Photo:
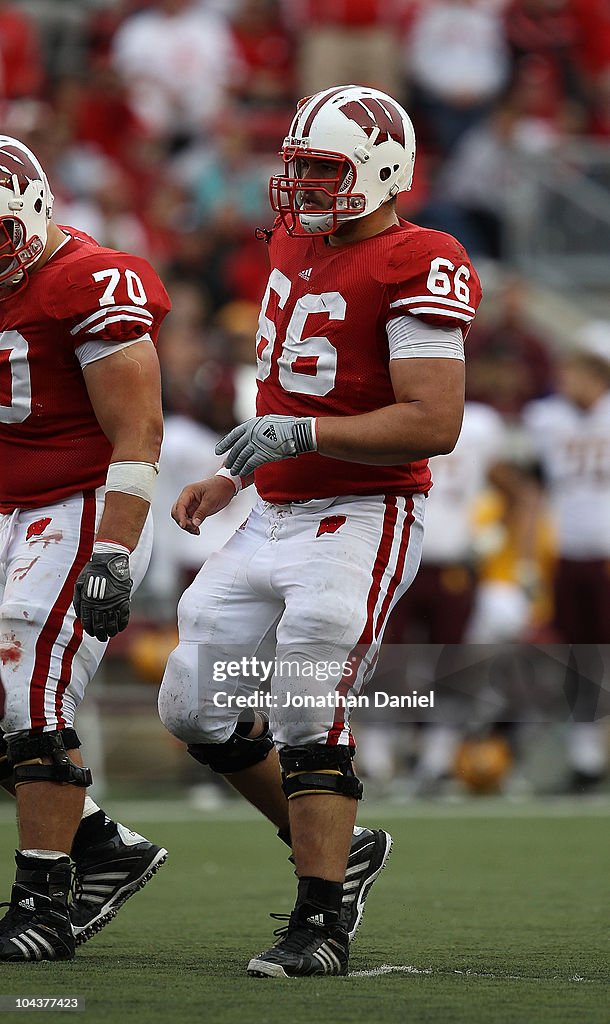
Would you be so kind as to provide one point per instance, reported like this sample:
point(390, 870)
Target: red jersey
point(322, 344)
point(51, 444)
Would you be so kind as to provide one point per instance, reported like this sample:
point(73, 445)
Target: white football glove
point(266, 439)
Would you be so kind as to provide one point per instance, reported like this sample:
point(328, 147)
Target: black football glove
point(102, 593)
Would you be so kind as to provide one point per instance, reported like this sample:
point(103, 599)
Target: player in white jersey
point(437, 607)
point(570, 432)
point(188, 448)
point(459, 478)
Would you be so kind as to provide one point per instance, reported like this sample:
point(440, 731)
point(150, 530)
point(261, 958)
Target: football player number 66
point(306, 366)
point(439, 280)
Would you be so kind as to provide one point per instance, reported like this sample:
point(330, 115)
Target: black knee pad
point(26, 750)
point(6, 770)
point(238, 752)
point(317, 768)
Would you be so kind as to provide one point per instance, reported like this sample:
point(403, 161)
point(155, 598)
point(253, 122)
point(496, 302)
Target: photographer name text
point(332, 699)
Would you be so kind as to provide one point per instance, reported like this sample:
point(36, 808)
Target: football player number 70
point(133, 284)
point(20, 405)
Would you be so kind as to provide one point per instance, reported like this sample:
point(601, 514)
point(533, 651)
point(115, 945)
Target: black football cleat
point(302, 951)
point(107, 875)
point(368, 856)
point(37, 924)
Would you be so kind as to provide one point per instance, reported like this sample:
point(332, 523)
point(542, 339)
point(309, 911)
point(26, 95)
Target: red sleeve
point(111, 297)
point(430, 276)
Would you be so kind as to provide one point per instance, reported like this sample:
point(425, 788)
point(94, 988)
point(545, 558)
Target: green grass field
point(486, 913)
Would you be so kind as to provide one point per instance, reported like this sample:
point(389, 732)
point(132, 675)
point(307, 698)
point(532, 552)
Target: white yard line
point(409, 969)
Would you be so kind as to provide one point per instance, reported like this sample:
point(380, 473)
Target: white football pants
point(324, 574)
point(46, 660)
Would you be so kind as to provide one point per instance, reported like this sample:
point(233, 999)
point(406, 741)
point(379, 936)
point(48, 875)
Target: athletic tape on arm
point(137, 478)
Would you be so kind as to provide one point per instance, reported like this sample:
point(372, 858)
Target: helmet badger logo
point(370, 113)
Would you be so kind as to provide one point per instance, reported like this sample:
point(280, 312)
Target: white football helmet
point(26, 204)
point(369, 137)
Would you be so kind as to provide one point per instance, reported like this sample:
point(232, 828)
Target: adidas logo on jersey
point(305, 274)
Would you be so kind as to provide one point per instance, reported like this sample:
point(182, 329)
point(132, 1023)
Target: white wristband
point(137, 478)
point(110, 547)
point(235, 480)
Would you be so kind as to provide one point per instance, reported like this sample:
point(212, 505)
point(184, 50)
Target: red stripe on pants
point(66, 669)
point(400, 565)
point(381, 563)
point(55, 619)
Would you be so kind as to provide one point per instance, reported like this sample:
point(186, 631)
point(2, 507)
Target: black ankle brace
point(318, 902)
point(45, 876)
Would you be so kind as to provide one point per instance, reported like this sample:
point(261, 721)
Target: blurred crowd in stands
point(159, 120)
point(159, 123)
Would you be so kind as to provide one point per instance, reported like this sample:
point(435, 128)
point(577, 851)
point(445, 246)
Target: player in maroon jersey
point(360, 380)
point(80, 432)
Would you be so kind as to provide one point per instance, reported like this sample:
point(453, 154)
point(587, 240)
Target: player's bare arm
point(125, 392)
point(199, 500)
point(204, 498)
point(425, 421)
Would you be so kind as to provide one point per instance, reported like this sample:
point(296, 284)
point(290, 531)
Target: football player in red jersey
point(360, 380)
point(80, 433)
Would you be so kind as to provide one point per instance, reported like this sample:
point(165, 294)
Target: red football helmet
point(26, 204)
point(367, 140)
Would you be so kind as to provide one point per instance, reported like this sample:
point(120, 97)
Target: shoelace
point(76, 886)
point(281, 917)
point(294, 941)
point(12, 908)
point(14, 913)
